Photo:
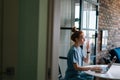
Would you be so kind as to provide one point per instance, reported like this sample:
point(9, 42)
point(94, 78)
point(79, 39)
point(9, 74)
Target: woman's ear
point(76, 39)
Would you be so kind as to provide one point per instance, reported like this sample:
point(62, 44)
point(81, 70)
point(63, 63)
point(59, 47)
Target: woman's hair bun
point(74, 29)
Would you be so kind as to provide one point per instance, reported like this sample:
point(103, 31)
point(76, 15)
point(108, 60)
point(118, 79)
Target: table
point(112, 73)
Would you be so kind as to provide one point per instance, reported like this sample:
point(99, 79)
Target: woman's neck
point(76, 44)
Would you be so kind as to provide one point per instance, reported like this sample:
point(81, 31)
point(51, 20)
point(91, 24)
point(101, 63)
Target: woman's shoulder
point(73, 49)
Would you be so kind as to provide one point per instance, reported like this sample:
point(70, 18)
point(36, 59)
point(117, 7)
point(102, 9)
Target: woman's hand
point(96, 69)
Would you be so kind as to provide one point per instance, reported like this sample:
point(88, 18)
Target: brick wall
point(109, 18)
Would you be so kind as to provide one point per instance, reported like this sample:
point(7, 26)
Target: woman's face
point(81, 39)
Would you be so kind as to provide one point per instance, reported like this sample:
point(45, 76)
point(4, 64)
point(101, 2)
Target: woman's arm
point(83, 68)
point(87, 58)
point(80, 68)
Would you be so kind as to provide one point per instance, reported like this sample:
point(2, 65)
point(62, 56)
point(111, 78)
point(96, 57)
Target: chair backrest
point(60, 76)
point(60, 73)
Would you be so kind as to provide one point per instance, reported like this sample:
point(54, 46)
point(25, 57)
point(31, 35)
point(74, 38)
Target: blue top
point(75, 55)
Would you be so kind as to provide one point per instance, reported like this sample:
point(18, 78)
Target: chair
point(60, 76)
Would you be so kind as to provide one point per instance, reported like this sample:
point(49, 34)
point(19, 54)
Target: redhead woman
point(76, 57)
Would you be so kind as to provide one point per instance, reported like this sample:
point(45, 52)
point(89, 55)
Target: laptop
point(106, 68)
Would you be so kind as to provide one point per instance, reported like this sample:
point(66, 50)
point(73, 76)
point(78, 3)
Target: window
point(84, 17)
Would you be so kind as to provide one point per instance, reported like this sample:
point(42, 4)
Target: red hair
point(76, 34)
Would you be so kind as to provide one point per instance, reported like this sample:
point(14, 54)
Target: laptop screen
point(113, 61)
point(105, 69)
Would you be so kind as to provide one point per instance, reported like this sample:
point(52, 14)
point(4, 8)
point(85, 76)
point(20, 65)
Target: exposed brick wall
point(109, 18)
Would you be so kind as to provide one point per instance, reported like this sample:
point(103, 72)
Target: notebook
point(105, 69)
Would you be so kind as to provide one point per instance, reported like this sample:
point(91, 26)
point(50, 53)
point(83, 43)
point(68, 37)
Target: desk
point(112, 73)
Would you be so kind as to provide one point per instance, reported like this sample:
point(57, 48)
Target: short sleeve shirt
point(75, 55)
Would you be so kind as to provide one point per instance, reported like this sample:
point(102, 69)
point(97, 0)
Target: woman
point(76, 57)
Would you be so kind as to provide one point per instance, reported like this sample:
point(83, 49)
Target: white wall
point(65, 41)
